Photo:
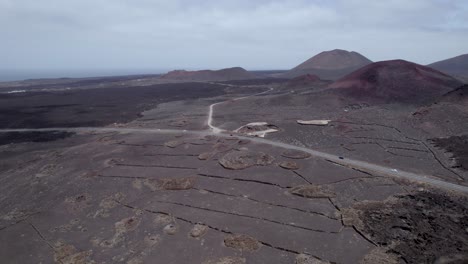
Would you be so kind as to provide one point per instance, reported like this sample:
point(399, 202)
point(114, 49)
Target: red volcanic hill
point(330, 65)
point(457, 66)
point(396, 80)
point(236, 73)
point(303, 80)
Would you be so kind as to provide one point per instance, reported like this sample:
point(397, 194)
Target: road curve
point(211, 110)
point(362, 165)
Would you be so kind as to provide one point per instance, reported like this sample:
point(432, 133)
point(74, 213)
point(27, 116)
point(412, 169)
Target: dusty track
point(210, 112)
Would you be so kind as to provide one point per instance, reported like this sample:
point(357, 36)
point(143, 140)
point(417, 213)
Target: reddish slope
point(330, 65)
point(236, 73)
point(396, 80)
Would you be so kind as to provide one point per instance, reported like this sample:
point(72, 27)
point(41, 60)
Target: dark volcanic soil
point(458, 146)
point(93, 107)
point(422, 228)
point(19, 137)
point(70, 83)
point(134, 197)
point(236, 73)
point(303, 80)
point(458, 96)
point(258, 81)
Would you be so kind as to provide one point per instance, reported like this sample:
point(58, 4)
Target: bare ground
point(140, 198)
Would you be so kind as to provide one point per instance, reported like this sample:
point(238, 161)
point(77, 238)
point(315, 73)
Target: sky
point(133, 35)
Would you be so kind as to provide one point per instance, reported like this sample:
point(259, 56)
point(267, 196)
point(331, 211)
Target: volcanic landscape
point(338, 160)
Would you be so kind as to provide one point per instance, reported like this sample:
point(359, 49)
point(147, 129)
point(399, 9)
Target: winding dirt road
point(211, 109)
point(357, 164)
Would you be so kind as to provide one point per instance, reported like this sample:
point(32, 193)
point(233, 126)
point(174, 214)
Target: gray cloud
point(139, 34)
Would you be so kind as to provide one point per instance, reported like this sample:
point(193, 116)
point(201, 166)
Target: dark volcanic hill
point(303, 80)
point(236, 73)
point(397, 80)
point(330, 65)
point(457, 66)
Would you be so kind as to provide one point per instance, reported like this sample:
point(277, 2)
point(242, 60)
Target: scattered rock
point(137, 184)
point(198, 230)
point(350, 217)
point(453, 259)
point(110, 201)
point(153, 184)
point(162, 220)
point(356, 106)
point(152, 240)
point(203, 191)
point(177, 183)
point(380, 255)
point(127, 224)
point(313, 191)
point(68, 254)
point(238, 160)
point(457, 146)
point(174, 143)
point(289, 165)
point(47, 170)
point(79, 202)
point(16, 215)
point(174, 184)
point(307, 259)
point(296, 154)
point(135, 260)
point(418, 228)
point(112, 162)
point(170, 229)
point(121, 227)
point(227, 260)
point(206, 155)
point(242, 242)
point(68, 227)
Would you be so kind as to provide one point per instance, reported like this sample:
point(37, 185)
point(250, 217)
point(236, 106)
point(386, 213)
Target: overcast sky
point(192, 34)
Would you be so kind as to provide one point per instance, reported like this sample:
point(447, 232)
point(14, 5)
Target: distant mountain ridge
point(456, 66)
point(228, 74)
point(397, 80)
point(330, 65)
